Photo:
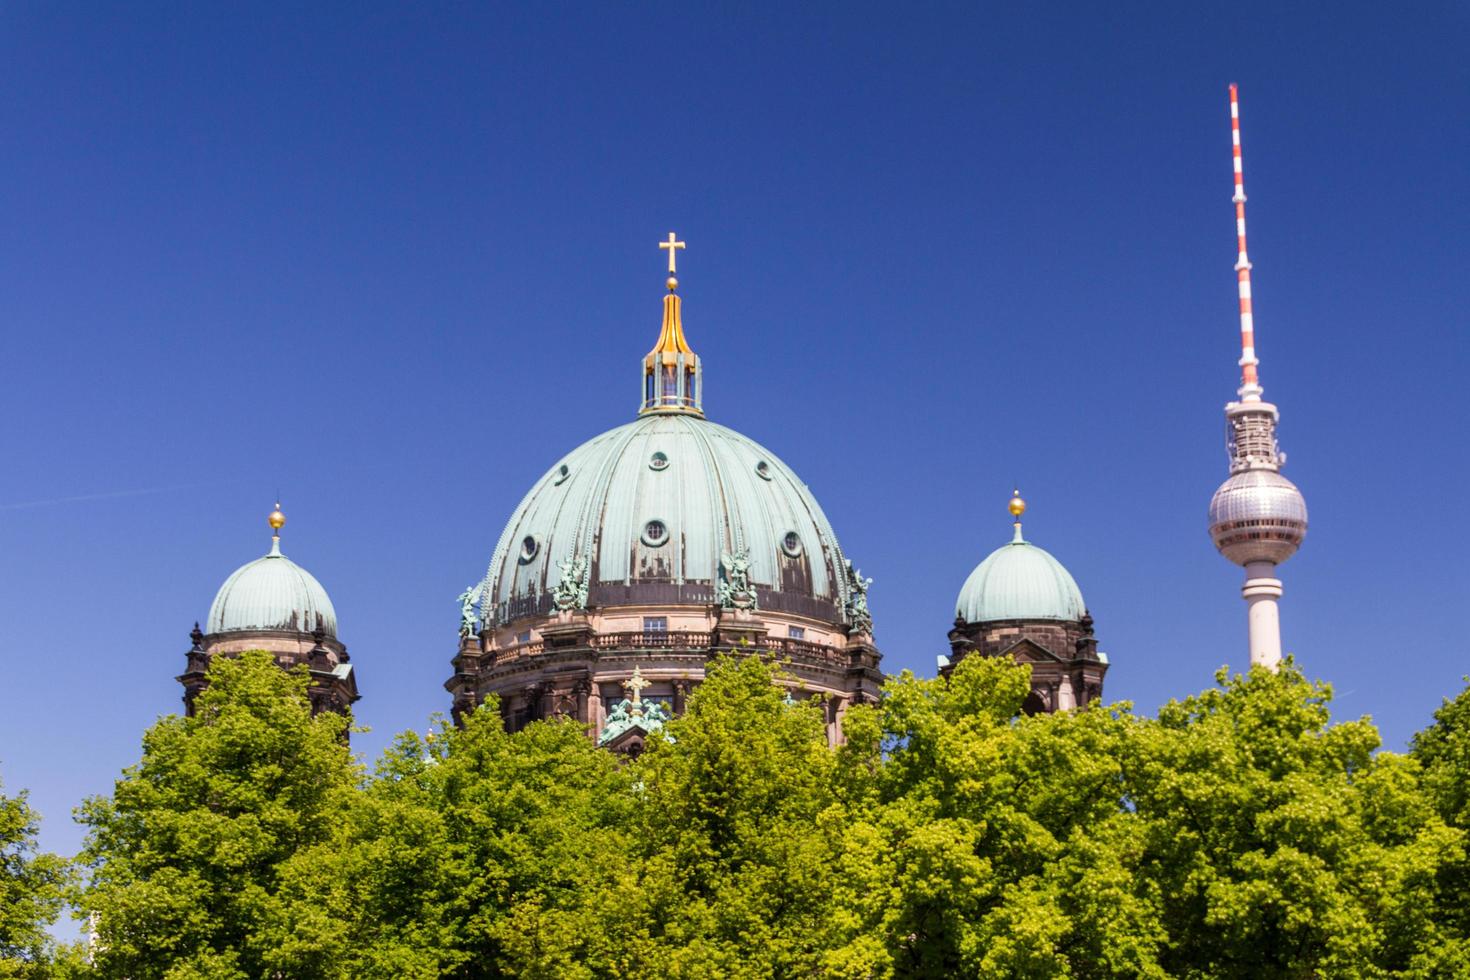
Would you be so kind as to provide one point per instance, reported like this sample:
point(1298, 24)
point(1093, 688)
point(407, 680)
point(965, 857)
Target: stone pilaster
point(864, 679)
point(738, 630)
point(567, 630)
point(464, 685)
point(197, 663)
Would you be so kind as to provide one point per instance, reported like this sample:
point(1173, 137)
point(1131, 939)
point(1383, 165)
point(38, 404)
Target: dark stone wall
point(1055, 649)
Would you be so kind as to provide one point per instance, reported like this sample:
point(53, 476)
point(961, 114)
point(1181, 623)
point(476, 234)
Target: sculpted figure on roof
point(859, 617)
point(469, 621)
point(735, 590)
point(571, 592)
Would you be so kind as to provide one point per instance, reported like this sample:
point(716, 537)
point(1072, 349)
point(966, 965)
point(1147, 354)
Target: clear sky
point(395, 260)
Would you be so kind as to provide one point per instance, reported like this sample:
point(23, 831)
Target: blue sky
point(395, 260)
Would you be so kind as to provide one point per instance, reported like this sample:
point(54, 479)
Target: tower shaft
point(1261, 591)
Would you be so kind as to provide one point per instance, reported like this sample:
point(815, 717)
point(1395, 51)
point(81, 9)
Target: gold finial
point(673, 245)
point(277, 520)
point(1017, 506)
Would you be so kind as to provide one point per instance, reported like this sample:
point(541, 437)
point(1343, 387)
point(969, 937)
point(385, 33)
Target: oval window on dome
point(562, 472)
point(763, 470)
point(529, 548)
point(791, 544)
point(658, 461)
point(655, 533)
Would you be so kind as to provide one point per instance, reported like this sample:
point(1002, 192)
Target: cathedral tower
point(274, 604)
point(1258, 517)
point(1021, 603)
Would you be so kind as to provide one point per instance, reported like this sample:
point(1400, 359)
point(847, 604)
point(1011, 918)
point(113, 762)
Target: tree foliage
point(1240, 833)
point(31, 890)
point(185, 856)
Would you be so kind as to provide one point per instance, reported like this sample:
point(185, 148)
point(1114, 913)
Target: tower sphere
point(1258, 515)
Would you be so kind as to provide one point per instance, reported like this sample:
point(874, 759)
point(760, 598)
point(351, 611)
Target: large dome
point(272, 593)
point(651, 506)
point(1020, 581)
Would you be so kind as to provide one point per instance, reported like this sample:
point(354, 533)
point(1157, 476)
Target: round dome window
point(655, 533)
point(658, 461)
point(562, 472)
point(763, 470)
point(529, 547)
point(791, 544)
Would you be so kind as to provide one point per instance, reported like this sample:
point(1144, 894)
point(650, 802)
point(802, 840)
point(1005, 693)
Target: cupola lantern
point(673, 379)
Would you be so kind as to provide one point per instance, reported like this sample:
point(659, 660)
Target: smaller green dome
point(272, 593)
point(1020, 581)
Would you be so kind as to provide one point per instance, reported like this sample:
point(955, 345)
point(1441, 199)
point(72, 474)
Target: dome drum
point(568, 666)
point(605, 595)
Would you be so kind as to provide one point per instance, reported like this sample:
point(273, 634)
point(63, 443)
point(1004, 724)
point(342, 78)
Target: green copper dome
point(650, 507)
point(272, 593)
point(1020, 581)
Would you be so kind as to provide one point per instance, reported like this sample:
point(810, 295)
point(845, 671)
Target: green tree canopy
point(185, 856)
point(1443, 750)
point(1279, 845)
point(466, 855)
point(1240, 833)
point(32, 889)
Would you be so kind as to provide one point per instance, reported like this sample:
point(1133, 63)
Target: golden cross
point(673, 245)
point(636, 684)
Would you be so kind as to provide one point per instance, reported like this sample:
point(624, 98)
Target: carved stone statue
point(618, 718)
point(655, 713)
point(469, 620)
point(571, 592)
point(735, 590)
point(646, 716)
point(859, 617)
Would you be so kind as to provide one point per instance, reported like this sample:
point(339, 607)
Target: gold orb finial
point(673, 284)
point(1017, 506)
point(277, 520)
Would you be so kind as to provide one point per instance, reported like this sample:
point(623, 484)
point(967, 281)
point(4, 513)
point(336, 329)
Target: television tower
point(1258, 517)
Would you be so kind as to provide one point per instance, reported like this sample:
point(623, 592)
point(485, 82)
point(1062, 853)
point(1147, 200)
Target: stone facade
point(575, 664)
point(333, 683)
point(1066, 668)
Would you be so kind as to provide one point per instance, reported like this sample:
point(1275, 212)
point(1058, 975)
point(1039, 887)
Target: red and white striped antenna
point(1250, 386)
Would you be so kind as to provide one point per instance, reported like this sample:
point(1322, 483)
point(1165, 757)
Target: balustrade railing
point(518, 651)
point(805, 650)
point(654, 640)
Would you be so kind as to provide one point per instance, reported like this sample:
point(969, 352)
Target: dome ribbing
point(272, 593)
point(1020, 581)
point(651, 506)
